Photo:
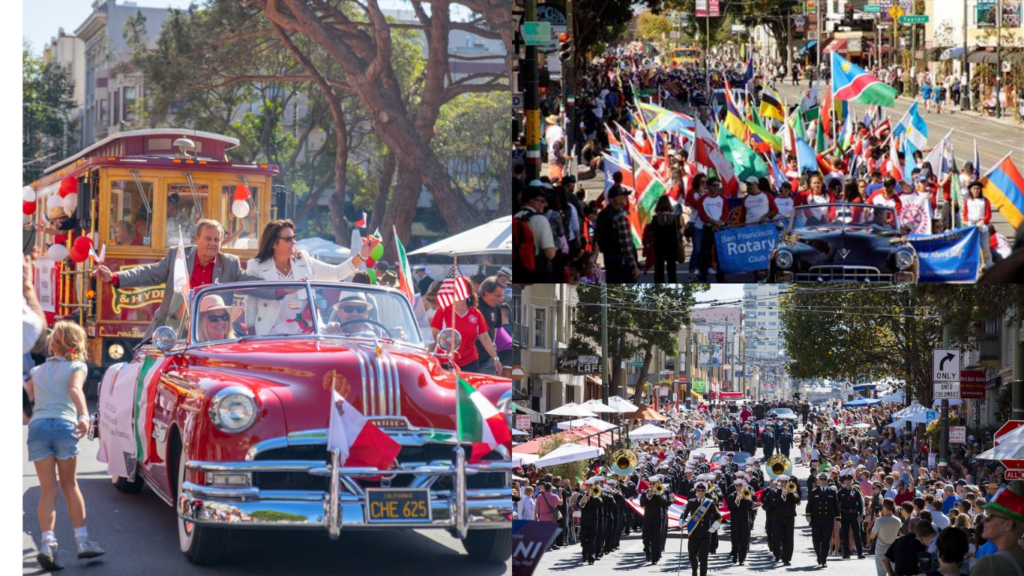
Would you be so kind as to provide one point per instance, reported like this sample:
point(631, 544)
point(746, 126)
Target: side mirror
point(448, 340)
point(164, 338)
point(780, 226)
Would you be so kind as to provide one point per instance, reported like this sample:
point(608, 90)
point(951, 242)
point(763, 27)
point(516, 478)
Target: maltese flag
point(358, 441)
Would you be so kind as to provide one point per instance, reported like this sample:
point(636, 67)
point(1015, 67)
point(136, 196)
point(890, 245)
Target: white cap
point(655, 478)
point(700, 486)
point(738, 481)
point(596, 479)
point(782, 478)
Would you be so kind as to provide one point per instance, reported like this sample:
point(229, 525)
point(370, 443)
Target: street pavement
point(629, 558)
point(139, 534)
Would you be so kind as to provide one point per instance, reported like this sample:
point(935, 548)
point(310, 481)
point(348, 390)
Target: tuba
point(623, 462)
point(778, 465)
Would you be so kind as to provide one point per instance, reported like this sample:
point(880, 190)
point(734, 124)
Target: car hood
point(301, 373)
point(842, 247)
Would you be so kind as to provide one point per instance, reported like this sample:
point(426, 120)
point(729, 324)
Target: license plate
point(397, 505)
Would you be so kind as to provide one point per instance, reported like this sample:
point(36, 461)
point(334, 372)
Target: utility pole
point(947, 331)
point(604, 343)
point(675, 380)
point(570, 84)
point(965, 92)
point(817, 46)
point(999, 57)
point(531, 106)
point(1017, 391)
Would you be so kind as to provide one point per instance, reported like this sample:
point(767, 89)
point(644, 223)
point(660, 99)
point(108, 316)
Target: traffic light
point(848, 14)
point(564, 47)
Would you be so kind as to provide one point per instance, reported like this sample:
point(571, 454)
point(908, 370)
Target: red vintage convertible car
point(230, 426)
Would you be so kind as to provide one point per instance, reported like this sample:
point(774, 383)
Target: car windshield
point(782, 411)
point(282, 309)
point(737, 457)
point(840, 216)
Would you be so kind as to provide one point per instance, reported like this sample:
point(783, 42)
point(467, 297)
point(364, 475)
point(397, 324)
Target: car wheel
point(489, 545)
point(126, 486)
point(202, 545)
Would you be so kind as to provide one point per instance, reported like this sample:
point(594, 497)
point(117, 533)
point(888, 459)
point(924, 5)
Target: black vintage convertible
point(830, 243)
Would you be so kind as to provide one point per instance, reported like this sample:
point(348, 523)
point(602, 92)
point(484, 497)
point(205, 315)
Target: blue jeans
point(695, 255)
point(51, 437)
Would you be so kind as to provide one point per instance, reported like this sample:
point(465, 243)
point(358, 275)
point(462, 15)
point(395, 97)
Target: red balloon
point(28, 207)
point(82, 244)
point(78, 257)
point(69, 185)
point(370, 263)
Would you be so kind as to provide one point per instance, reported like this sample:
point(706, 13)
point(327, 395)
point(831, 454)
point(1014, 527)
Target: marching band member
point(851, 510)
point(785, 517)
point(590, 514)
point(741, 505)
point(770, 499)
point(703, 514)
point(655, 519)
point(822, 509)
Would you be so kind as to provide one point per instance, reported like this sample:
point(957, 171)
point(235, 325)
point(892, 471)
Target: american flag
point(453, 289)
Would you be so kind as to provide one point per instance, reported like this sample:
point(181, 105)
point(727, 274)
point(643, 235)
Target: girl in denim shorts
point(59, 419)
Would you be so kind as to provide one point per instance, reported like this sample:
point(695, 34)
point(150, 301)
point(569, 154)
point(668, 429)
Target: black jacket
point(822, 506)
point(703, 528)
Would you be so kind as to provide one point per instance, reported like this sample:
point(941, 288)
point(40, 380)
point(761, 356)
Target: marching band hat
point(611, 482)
point(738, 481)
point(823, 476)
point(595, 479)
point(655, 478)
point(782, 478)
point(664, 466)
point(700, 486)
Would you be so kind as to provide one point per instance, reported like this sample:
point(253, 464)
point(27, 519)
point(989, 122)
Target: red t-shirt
point(201, 275)
point(469, 327)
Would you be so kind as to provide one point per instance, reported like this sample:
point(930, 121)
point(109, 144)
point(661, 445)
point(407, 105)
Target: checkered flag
point(453, 289)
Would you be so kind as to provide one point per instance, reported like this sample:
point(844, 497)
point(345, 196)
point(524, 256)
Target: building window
point(116, 109)
point(129, 103)
point(762, 303)
point(570, 394)
point(773, 324)
point(760, 313)
point(540, 325)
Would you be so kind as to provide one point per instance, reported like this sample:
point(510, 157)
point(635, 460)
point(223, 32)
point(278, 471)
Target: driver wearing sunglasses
point(350, 309)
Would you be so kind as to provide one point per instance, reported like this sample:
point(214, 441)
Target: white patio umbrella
point(571, 409)
point(568, 453)
point(596, 405)
point(494, 237)
point(622, 406)
point(649, 432)
point(599, 424)
point(524, 459)
point(519, 432)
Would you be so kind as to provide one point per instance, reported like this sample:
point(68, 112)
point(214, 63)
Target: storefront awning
point(838, 45)
point(954, 53)
point(534, 415)
point(982, 57)
point(809, 46)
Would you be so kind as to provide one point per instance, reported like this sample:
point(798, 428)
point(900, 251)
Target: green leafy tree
point(651, 27)
point(47, 99)
point(640, 317)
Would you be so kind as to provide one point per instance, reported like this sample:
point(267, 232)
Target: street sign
point(914, 19)
point(947, 390)
point(896, 11)
point(972, 384)
point(637, 363)
point(518, 373)
point(536, 33)
point(872, 8)
point(1006, 428)
point(946, 366)
point(958, 434)
point(713, 9)
point(930, 415)
point(517, 101)
point(701, 8)
point(1014, 474)
point(522, 422)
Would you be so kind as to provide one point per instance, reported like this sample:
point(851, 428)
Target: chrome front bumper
point(341, 508)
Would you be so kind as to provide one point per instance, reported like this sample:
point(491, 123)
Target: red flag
point(361, 223)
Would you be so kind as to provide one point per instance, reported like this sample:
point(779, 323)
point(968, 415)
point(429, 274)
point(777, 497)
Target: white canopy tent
point(622, 406)
point(650, 432)
point(1011, 447)
point(909, 411)
point(596, 405)
point(494, 237)
point(518, 432)
point(896, 396)
point(568, 453)
point(524, 459)
point(599, 424)
point(571, 409)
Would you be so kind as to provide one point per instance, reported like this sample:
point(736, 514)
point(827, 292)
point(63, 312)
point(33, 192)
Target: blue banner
point(529, 542)
point(953, 256)
point(745, 249)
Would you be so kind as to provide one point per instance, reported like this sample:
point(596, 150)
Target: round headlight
point(904, 259)
point(233, 409)
point(784, 259)
point(115, 351)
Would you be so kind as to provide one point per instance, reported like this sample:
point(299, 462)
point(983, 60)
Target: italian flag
point(145, 399)
point(358, 441)
point(404, 274)
point(479, 421)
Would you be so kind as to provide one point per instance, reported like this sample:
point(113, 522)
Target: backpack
point(524, 255)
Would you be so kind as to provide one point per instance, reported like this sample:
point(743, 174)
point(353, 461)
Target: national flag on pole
point(359, 442)
point(826, 110)
point(361, 223)
point(145, 399)
point(976, 162)
point(647, 184)
point(881, 129)
point(895, 170)
point(480, 422)
point(1003, 185)
point(453, 288)
point(910, 161)
point(941, 157)
point(771, 106)
point(742, 158)
point(956, 197)
point(913, 128)
point(845, 140)
point(853, 84)
point(97, 258)
point(778, 178)
point(734, 118)
point(180, 270)
point(405, 281)
point(805, 157)
point(707, 153)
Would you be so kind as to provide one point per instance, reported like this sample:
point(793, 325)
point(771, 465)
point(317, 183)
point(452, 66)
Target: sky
point(721, 292)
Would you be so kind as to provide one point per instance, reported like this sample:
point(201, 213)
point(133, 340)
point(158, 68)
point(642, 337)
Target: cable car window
point(240, 218)
point(186, 205)
point(131, 213)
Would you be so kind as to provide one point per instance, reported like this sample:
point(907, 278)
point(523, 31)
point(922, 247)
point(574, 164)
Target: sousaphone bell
point(623, 462)
point(778, 465)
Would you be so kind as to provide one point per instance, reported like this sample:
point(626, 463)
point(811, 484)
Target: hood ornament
point(844, 252)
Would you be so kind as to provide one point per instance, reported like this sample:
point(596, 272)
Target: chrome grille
point(379, 374)
point(843, 274)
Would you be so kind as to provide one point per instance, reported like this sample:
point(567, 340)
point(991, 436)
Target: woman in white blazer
point(278, 260)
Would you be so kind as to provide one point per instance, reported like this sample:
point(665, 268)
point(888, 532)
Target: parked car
point(233, 425)
point(718, 459)
point(840, 243)
point(783, 414)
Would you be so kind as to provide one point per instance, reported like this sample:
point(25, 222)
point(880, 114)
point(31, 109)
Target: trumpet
point(658, 488)
point(594, 492)
point(791, 487)
point(747, 493)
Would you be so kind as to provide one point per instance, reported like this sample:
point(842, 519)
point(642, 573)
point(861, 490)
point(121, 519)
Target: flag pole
point(461, 514)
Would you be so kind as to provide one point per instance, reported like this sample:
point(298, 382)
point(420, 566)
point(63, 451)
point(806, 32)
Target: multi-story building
point(69, 52)
point(761, 319)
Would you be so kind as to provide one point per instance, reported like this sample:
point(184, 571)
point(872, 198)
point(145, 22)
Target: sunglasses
point(350, 308)
point(225, 317)
point(289, 239)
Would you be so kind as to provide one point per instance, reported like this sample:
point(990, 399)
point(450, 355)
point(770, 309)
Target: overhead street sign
point(946, 366)
point(637, 363)
point(536, 33)
point(914, 19)
point(947, 390)
point(872, 8)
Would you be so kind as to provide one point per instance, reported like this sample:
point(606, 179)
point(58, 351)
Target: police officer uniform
point(822, 510)
point(655, 518)
point(768, 439)
point(785, 441)
point(740, 520)
point(700, 536)
point(851, 506)
point(785, 518)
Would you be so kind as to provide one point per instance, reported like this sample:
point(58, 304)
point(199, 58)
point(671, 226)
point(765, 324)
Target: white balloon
point(53, 201)
point(70, 203)
point(57, 252)
point(28, 194)
point(240, 208)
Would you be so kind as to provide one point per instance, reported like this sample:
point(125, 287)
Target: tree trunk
point(641, 379)
point(401, 209)
point(337, 202)
point(505, 193)
point(380, 202)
